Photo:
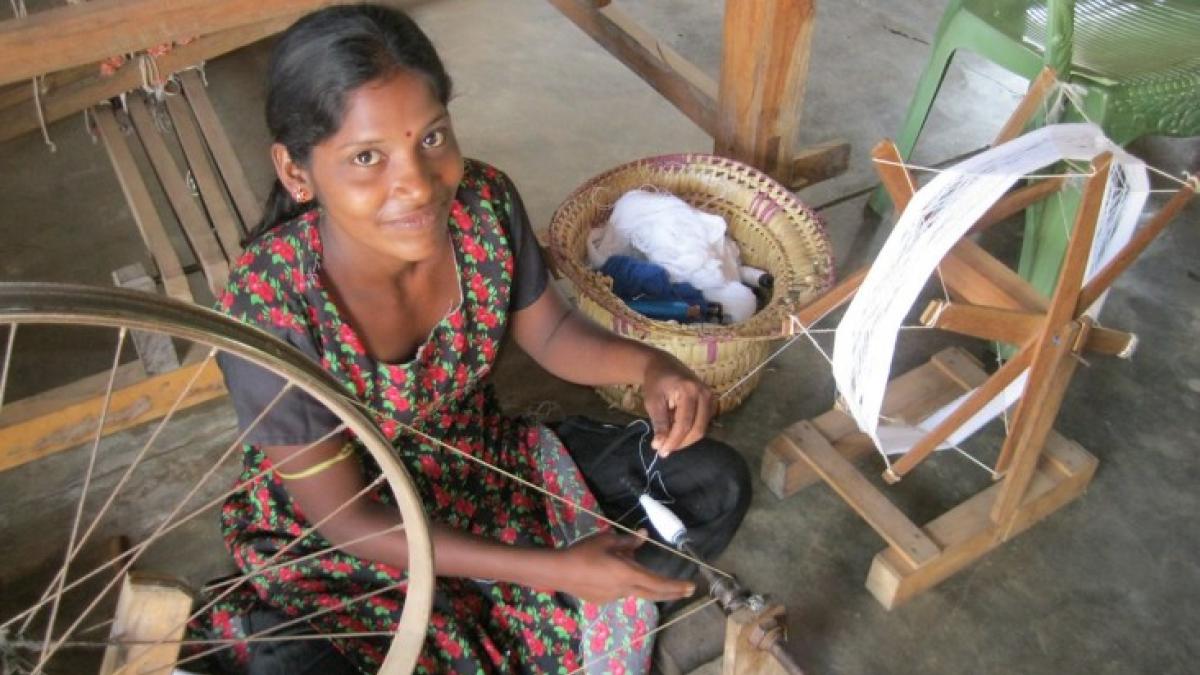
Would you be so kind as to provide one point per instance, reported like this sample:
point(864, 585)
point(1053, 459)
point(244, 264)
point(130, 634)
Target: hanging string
point(955, 172)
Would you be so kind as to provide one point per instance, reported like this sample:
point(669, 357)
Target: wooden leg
point(149, 610)
point(910, 397)
point(967, 532)
point(763, 72)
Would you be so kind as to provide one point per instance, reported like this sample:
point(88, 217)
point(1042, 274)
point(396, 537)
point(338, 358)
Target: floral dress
point(477, 626)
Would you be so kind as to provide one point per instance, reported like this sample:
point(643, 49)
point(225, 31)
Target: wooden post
point(151, 617)
point(1052, 364)
point(763, 73)
point(156, 351)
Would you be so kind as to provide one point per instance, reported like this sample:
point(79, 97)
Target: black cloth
point(298, 419)
point(707, 485)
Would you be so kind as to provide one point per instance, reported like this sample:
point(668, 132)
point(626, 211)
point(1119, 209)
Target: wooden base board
point(966, 533)
point(910, 397)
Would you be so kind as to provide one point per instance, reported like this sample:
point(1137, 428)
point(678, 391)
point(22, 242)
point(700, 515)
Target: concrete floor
point(1108, 585)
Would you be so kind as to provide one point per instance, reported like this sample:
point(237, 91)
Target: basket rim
point(774, 315)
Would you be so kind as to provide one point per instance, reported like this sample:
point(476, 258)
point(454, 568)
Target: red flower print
point(283, 319)
point(260, 287)
point(459, 342)
point(600, 637)
point(299, 280)
point(227, 301)
point(398, 375)
point(388, 427)
point(630, 607)
point(356, 376)
point(244, 259)
point(456, 321)
point(464, 508)
point(486, 192)
point(590, 611)
point(487, 318)
point(346, 336)
point(396, 398)
point(508, 535)
point(448, 645)
point(462, 217)
point(535, 645)
point(616, 667)
point(283, 249)
point(564, 620)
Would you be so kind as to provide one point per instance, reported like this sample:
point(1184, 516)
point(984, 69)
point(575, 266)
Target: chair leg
point(918, 112)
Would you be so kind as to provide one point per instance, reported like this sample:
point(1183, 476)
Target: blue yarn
point(634, 278)
point(640, 279)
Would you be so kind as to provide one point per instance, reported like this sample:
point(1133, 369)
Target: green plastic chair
point(1139, 61)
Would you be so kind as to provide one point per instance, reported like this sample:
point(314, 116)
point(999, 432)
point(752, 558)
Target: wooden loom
point(1039, 471)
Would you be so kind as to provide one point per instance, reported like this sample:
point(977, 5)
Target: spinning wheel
point(1037, 471)
point(45, 636)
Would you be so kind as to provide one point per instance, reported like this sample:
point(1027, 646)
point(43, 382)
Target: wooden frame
point(753, 111)
point(1038, 471)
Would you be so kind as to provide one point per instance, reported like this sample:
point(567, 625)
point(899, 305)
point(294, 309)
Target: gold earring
point(301, 196)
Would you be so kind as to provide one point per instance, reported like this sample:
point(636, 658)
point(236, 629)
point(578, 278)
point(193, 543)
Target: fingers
point(692, 413)
point(653, 587)
point(660, 419)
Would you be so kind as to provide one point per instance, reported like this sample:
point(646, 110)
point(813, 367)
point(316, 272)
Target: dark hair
point(317, 62)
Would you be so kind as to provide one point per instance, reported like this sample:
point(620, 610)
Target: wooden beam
point(816, 163)
point(1103, 279)
point(966, 533)
point(137, 196)
point(864, 498)
point(1110, 342)
point(688, 88)
point(987, 323)
point(195, 225)
point(977, 277)
point(20, 92)
point(53, 428)
point(1017, 201)
point(156, 351)
point(248, 205)
point(764, 68)
point(897, 181)
point(910, 397)
point(78, 34)
point(219, 213)
point(1053, 363)
point(978, 399)
point(1028, 107)
point(79, 95)
point(829, 301)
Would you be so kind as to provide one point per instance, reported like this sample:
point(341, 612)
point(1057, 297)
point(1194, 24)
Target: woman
point(399, 266)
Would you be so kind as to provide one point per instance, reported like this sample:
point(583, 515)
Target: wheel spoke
point(87, 479)
point(8, 351)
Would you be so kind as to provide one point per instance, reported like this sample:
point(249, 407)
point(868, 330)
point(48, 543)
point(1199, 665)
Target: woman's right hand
point(601, 569)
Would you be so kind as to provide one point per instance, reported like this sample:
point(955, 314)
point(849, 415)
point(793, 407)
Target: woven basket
point(775, 231)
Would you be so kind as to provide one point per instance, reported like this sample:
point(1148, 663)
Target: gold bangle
point(346, 451)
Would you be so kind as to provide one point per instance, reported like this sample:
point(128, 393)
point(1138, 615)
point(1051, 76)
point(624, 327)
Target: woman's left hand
point(678, 403)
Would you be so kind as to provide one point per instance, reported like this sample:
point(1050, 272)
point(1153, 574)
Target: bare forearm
point(459, 554)
point(579, 351)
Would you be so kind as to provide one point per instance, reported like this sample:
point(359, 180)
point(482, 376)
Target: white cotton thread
point(936, 218)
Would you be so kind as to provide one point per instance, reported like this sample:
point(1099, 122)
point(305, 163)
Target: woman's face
point(387, 178)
